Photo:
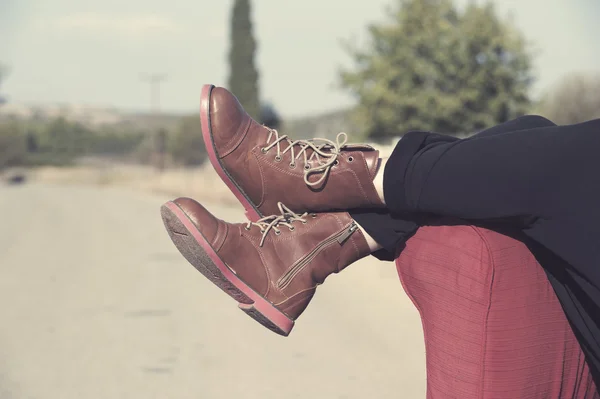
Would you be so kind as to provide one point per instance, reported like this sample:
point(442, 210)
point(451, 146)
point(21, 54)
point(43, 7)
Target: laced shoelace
point(268, 223)
point(325, 152)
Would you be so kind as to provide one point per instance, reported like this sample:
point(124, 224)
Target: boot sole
point(196, 249)
point(252, 212)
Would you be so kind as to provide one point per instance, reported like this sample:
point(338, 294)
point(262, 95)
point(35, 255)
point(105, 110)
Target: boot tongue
point(370, 154)
point(358, 147)
point(371, 157)
point(373, 163)
point(345, 148)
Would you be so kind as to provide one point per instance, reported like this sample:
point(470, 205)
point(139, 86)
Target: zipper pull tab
point(346, 234)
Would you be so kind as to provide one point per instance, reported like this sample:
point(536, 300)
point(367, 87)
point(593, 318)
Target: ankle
point(378, 181)
point(373, 245)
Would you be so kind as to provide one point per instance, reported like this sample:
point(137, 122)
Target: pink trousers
point(492, 323)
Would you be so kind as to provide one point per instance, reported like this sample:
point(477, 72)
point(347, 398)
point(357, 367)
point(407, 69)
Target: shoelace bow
point(268, 223)
point(325, 152)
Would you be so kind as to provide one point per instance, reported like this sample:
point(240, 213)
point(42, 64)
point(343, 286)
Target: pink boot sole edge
point(197, 251)
point(251, 212)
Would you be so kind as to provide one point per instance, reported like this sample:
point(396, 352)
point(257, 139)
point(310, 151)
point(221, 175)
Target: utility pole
point(154, 80)
point(160, 137)
point(3, 72)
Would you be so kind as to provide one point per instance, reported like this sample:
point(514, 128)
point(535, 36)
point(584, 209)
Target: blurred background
point(99, 126)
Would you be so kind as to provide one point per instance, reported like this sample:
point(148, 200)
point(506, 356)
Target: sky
point(97, 52)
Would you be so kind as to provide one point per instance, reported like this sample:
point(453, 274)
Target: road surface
point(96, 302)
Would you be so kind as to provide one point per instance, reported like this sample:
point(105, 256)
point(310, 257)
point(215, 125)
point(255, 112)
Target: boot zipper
point(340, 237)
point(346, 234)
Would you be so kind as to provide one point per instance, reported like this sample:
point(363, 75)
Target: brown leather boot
point(271, 267)
point(263, 168)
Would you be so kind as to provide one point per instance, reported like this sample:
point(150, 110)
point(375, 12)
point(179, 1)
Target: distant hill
point(325, 125)
point(91, 116)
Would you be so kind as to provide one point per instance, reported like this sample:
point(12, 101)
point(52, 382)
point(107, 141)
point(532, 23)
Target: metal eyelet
point(246, 228)
point(263, 150)
point(292, 228)
point(293, 165)
point(336, 163)
point(350, 158)
point(313, 215)
point(278, 158)
point(306, 167)
point(278, 233)
point(304, 222)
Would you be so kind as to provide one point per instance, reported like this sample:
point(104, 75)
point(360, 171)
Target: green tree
point(574, 99)
point(57, 142)
point(65, 139)
point(13, 148)
point(111, 141)
point(433, 67)
point(186, 146)
point(243, 74)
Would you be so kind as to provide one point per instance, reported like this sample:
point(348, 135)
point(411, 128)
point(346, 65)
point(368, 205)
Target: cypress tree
point(243, 75)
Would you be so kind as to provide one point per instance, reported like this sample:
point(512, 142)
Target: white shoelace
point(268, 223)
point(325, 152)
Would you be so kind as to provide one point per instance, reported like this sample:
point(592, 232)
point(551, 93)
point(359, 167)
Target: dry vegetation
point(202, 183)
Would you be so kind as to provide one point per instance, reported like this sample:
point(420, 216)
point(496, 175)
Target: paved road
point(95, 302)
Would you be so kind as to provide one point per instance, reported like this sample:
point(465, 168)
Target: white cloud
point(123, 25)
